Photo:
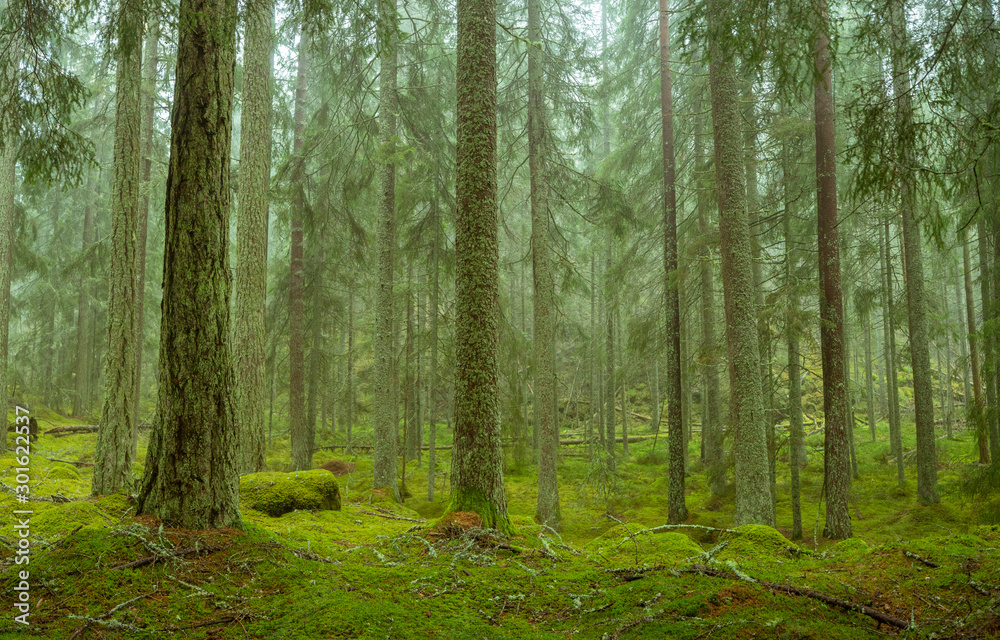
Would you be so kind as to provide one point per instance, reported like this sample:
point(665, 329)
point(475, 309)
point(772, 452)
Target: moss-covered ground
point(375, 569)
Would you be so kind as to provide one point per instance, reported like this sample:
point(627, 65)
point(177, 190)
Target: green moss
point(276, 494)
point(850, 549)
point(756, 542)
point(475, 502)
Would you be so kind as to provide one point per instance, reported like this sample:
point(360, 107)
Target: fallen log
point(875, 614)
point(69, 430)
point(75, 464)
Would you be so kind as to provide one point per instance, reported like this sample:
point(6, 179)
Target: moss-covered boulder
point(279, 493)
point(756, 541)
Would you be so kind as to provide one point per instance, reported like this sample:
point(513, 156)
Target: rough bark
point(836, 453)
point(250, 288)
point(298, 427)
point(477, 456)
point(676, 507)
point(752, 477)
point(383, 399)
point(192, 478)
point(547, 511)
point(114, 454)
point(916, 302)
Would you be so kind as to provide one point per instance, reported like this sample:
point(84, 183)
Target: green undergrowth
point(378, 569)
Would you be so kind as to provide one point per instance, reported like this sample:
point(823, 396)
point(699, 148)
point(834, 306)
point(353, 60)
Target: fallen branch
point(209, 623)
point(105, 615)
point(665, 527)
point(75, 464)
point(883, 618)
point(921, 560)
point(175, 554)
point(390, 516)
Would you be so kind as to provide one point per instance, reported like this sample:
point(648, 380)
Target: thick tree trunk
point(752, 477)
point(298, 426)
point(114, 453)
point(383, 399)
point(477, 456)
point(192, 474)
point(676, 508)
point(923, 398)
point(250, 287)
point(547, 512)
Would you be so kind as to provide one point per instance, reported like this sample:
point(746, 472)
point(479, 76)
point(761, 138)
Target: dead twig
point(174, 554)
point(879, 616)
point(921, 560)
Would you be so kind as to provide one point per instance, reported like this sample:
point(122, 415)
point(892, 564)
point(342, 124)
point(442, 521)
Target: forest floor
point(376, 569)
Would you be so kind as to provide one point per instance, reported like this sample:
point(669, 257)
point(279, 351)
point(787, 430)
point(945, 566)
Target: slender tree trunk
point(923, 398)
point(676, 507)
point(8, 180)
point(869, 382)
point(148, 98)
point(594, 390)
point(547, 511)
point(82, 382)
point(711, 424)
point(610, 386)
point(297, 425)
point(383, 400)
point(432, 383)
point(317, 319)
point(837, 454)
point(763, 331)
point(113, 455)
point(792, 336)
point(250, 288)
point(622, 341)
point(191, 477)
point(351, 400)
point(895, 429)
point(988, 371)
point(963, 341)
point(752, 477)
point(477, 453)
point(409, 391)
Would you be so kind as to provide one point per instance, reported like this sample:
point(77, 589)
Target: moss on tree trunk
point(192, 477)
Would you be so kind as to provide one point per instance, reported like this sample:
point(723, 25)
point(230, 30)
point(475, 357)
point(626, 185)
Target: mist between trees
point(521, 233)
